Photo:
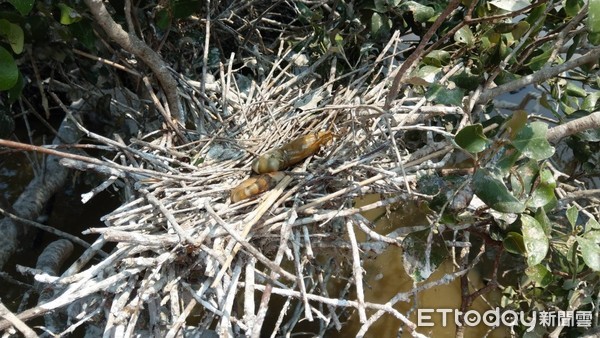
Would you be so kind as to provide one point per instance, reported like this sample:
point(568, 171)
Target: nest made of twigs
point(183, 247)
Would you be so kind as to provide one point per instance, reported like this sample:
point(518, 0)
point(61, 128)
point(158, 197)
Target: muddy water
point(64, 212)
point(385, 277)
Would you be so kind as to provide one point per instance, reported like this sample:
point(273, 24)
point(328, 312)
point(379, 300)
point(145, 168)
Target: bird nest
point(188, 258)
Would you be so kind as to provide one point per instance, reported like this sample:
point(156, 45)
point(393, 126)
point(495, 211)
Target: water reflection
point(385, 277)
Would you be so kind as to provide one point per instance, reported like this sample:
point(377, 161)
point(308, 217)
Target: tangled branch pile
point(185, 252)
point(183, 246)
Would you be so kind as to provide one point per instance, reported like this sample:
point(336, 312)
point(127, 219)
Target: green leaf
point(445, 191)
point(466, 80)
point(13, 33)
point(544, 191)
point(590, 101)
point(508, 158)
point(420, 12)
point(537, 62)
point(537, 14)
point(68, 15)
point(442, 95)
point(522, 180)
point(517, 121)
point(593, 21)
point(572, 215)
point(574, 90)
point(501, 52)
point(490, 39)
point(339, 40)
point(542, 218)
point(513, 243)
point(494, 193)
point(578, 114)
point(505, 77)
point(544, 102)
point(592, 224)
point(15, 91)
point(592, 234)
point(307, 16)
point(503, 27)
point(572, 7)
point(84, 33)
point(380, 6)
point(532, 142)
point(415, 248)
point(464, 36)
point(535, 239)
point(162, 19)
point(590, 251)
point(566, 104)
point(520, 29)
point(424, 76)
point(437, 58)
point(510, 6)
point(23, 6)
point(9, 73)
point(379, 25)
point(184, 8)
point(471, 138)
point(540, 275)
point(594, 39)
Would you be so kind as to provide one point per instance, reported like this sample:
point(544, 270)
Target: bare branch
point(137, 47)
point(539, 76)
point(591, 121)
